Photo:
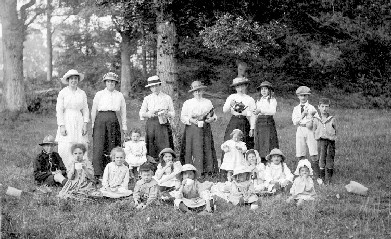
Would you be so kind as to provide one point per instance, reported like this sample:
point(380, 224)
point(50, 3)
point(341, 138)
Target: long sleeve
point(94, 107)
point(227, 104)
point(177, 169)
point(60, 108)
point(293, 190)
point(288, 174)
point(159, 172)
point(123, 112)
point(125, 181)
point(143, 109)
point(186, 113)
point(40, 174)
point(153, 192)
point(296, 115)
point(144, 150)
point(61, 165)
point(85, 110)
point(268, 175)
point(242, 146)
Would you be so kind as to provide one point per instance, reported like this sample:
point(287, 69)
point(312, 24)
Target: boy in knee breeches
point(325, 134)
point(301, 117)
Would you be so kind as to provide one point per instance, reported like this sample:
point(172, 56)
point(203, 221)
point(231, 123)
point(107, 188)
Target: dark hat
point(48, 140)
point(265, 84)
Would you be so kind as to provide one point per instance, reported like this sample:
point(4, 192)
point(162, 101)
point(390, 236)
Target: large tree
point(14, 27)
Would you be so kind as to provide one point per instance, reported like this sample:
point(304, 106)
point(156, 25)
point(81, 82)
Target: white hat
point(153, 80)
point(302, 163)
point(239, 81)
point(240, 170)
point(111, 76)
point(189, 167)
point(72, 72)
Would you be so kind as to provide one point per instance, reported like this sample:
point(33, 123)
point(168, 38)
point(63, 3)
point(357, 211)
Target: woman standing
point(158, 109)
point(265, 127)
point(241, 107)
point(72, 116)
point(106, 127)
point(197, 142)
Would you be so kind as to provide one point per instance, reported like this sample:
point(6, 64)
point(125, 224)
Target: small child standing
point(278, 176)
point(233, 153)
point(257, 169)
point(242, 190)
point(303, 186)
point(167, 170)
point(302, 115)
point(325, 134)
point(49, 170)
point(146, 189)
point(136, 152)
point(116, 176)
point(189, 197)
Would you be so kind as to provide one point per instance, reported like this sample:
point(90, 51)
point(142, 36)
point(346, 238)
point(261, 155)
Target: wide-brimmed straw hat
point(275, 152)
point(196, 85)
point(265, 84)
point(48, 140)
point(303, 163)
point(239, 81)
point(111, 76)
point(303, 90)
point(153, 80)
point(240, 170)
point(167, 150)
point(72, 72)
point(189, 167)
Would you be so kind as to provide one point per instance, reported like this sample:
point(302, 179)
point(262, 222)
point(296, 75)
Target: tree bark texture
point(125, 64)
point(49, 44)
point(13, 29)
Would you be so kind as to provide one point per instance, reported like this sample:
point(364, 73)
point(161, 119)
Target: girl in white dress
point(233, 153)
point(72, 116)
point(166, 172)
point(278, 176)
point(303, 186)
point(136, 152)
point(257, 169)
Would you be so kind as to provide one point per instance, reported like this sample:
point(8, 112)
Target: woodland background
point(340, 48)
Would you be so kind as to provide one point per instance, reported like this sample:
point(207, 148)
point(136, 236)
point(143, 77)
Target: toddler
point(116, 176)
point(166, 172)
point(257, 169)
point(146, 189)
point(49, 170)
point(136, 152)
point(303, 186)
point(278, 176)
point(233, 153)
point(189, 197)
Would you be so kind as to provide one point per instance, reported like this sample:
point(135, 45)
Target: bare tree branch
point(37, 13)
point(54, 28)
point(23, 9)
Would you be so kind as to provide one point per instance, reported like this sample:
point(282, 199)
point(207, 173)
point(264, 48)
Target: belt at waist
point(107, 111)
point(239, 116)
point(265, 116)
point(302, 125)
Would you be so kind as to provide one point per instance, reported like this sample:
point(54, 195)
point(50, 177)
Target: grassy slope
point(362, 155)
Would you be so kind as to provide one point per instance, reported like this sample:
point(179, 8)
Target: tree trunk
point(166, 61)
point(49, 40)
point(13, 98)
point(126, 76)
point(144, 55)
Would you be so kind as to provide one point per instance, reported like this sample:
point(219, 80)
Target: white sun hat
point(72, 72)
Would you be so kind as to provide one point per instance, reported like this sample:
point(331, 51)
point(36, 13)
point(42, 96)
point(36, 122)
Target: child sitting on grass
point(49, 170)
point(136, 152)
point(146, 189)
point(278, 176)
point(241, 191)
point(189, 197)
point(166, 172)
point(233, 153)
point(257, 169)
point(303, 186)
point(116, 176)
point(81, 180)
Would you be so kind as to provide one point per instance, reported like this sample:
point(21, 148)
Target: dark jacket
point(45, 164)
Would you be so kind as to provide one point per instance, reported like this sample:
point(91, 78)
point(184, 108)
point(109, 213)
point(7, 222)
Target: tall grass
point(362, 155)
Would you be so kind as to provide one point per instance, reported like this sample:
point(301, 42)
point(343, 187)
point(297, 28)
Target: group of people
point(251, 162)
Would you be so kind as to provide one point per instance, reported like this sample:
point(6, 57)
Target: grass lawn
point(362, 155)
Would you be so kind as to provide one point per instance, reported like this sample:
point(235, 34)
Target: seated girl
point(278, 176)
point(116, 176)
point(303, 187)
point(241, 191)
point(166, 172)
point(257, 170)
point(146, 189)
point(81, 180)
point(189, 197)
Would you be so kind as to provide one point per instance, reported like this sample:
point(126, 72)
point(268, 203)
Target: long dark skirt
point(242, 123)
point(265, 135)
point(106, 135)
point(158, 137)
point(198, 148)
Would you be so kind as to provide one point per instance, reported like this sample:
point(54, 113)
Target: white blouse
point(296, 114)
point(273, 172)
point(105, 100)
point(267, 107)
point(71, 100)
point(196, 109)
point(155, 102)
point(245, 99)
point(115, 176)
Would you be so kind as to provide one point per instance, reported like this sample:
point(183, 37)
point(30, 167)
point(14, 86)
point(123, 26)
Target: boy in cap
point(49, 170)
point(301, 116)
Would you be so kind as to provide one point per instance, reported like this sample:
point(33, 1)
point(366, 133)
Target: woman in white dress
point(72, 116)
